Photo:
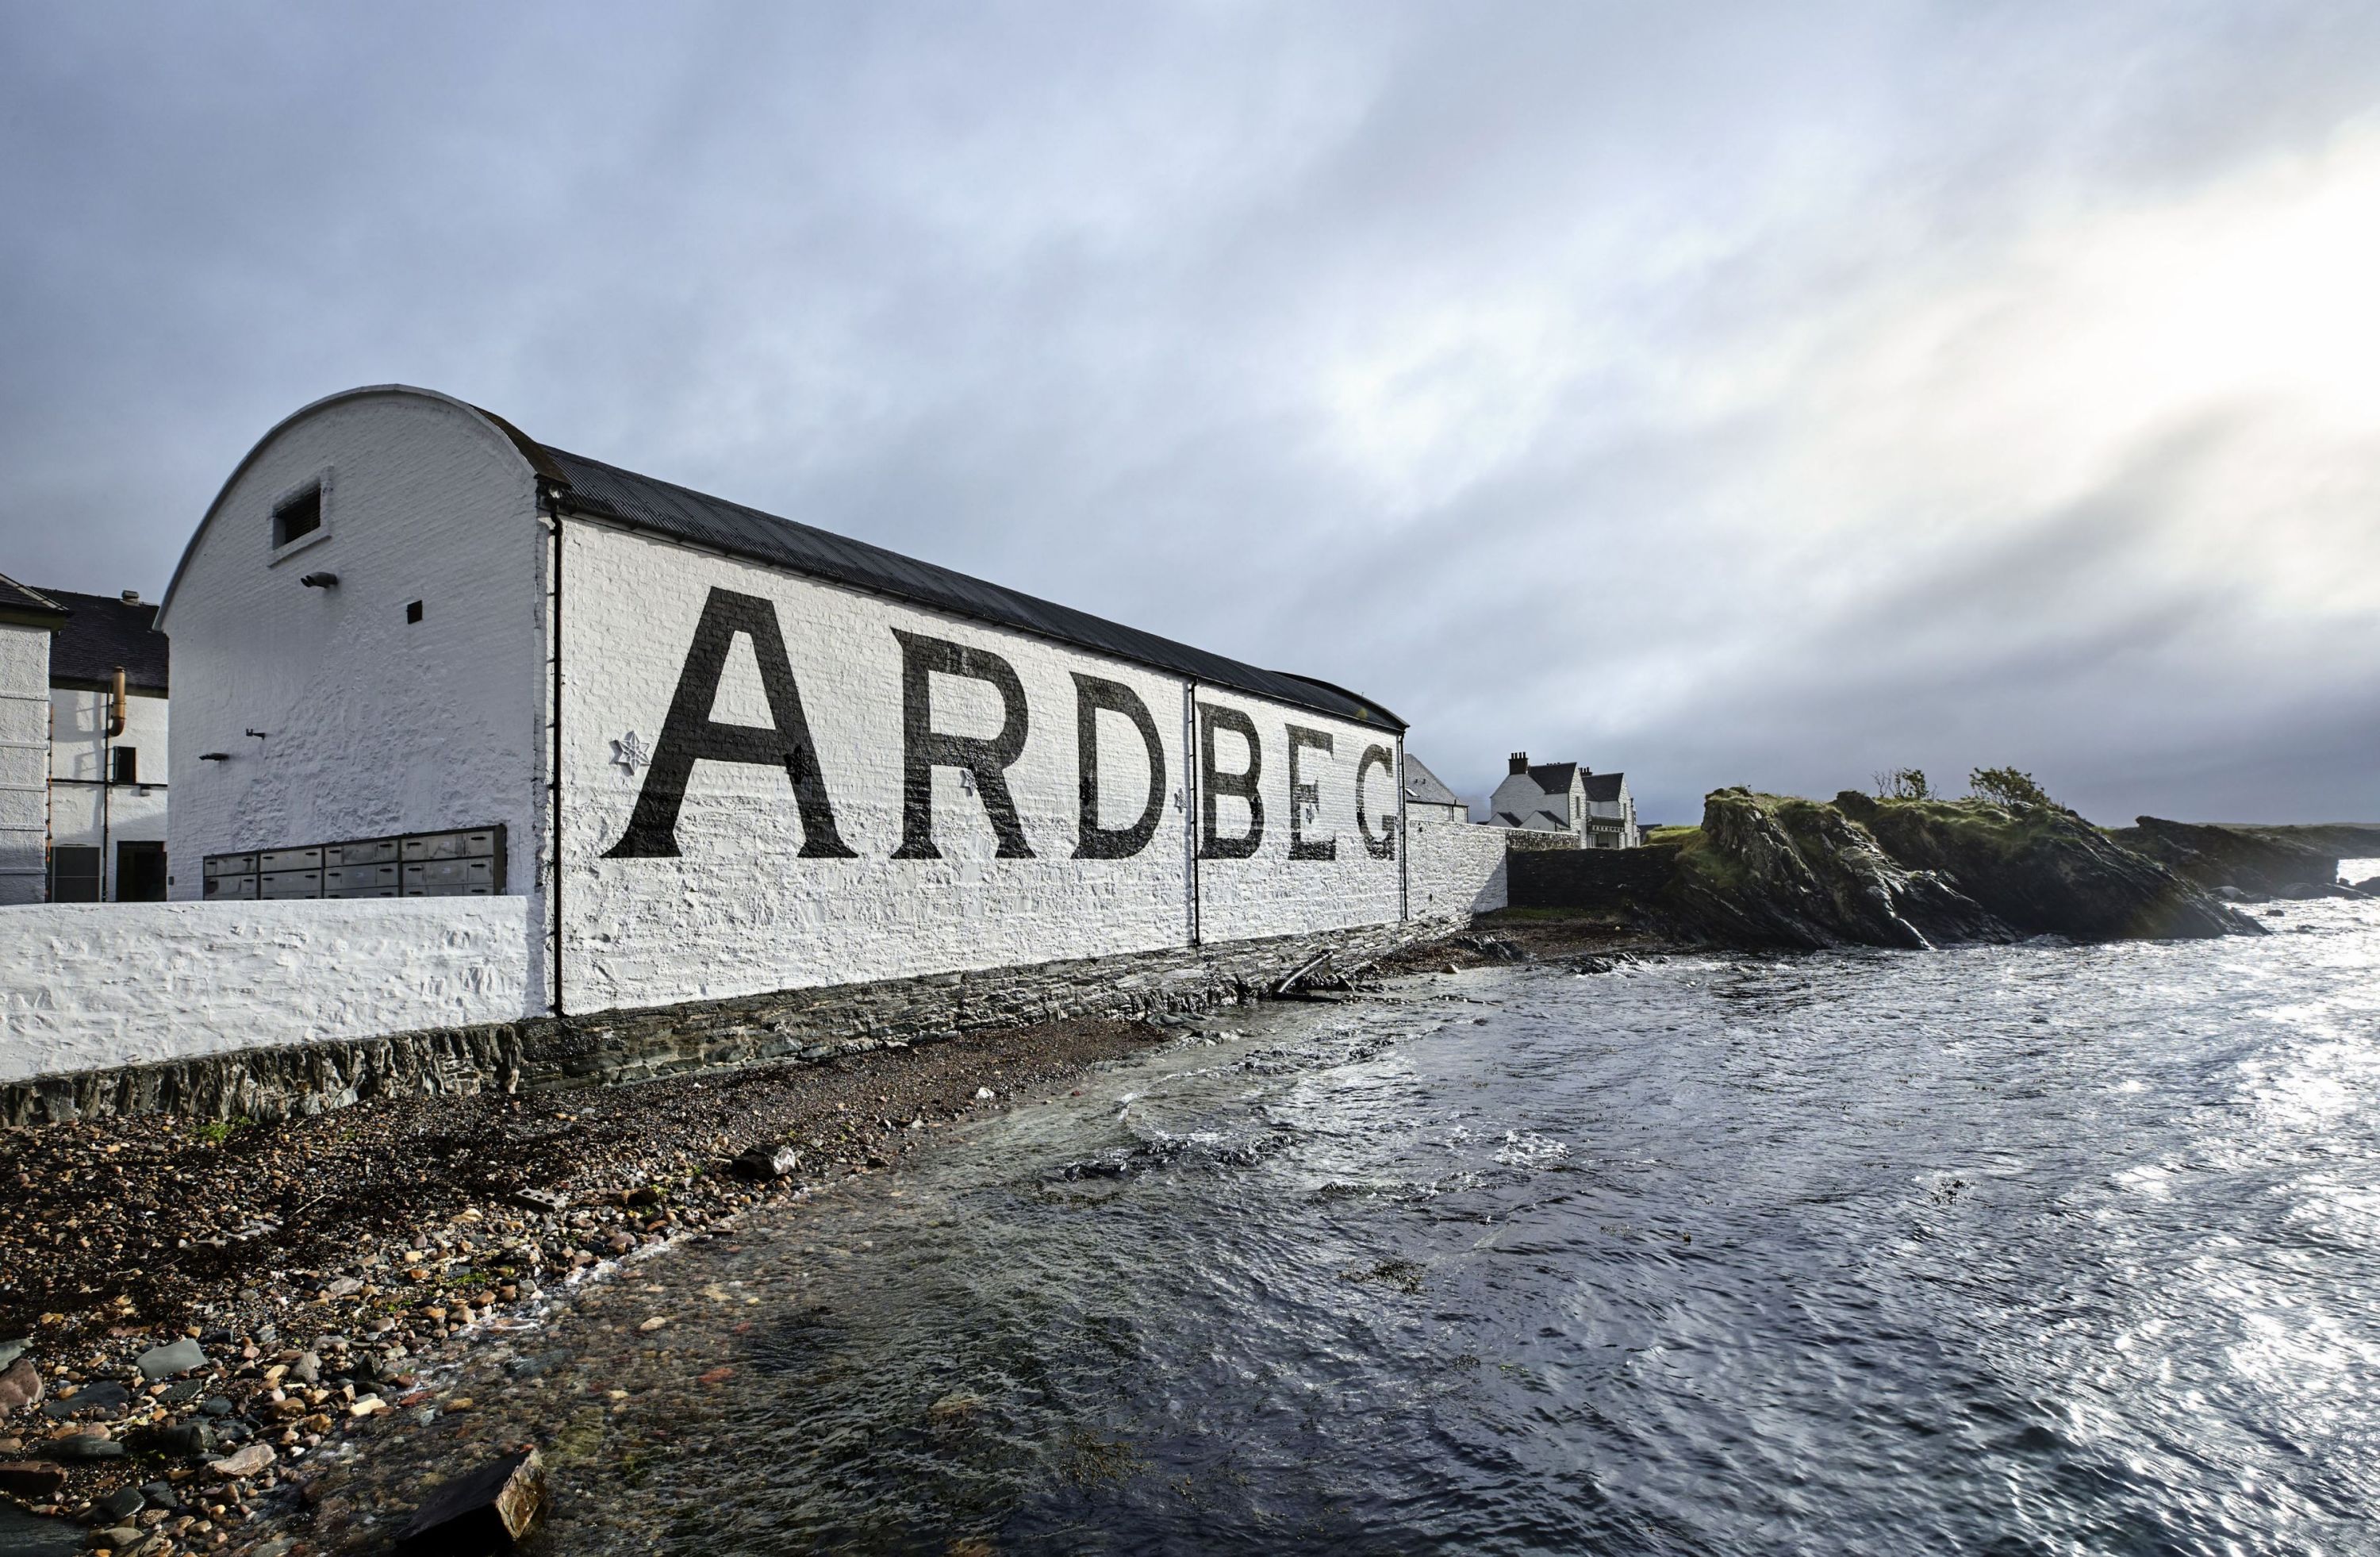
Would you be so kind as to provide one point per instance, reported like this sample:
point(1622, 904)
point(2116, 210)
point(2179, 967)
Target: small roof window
point(298, 516)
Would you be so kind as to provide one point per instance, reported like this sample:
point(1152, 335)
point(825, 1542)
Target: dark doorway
point(140, 872)
point(74, 874)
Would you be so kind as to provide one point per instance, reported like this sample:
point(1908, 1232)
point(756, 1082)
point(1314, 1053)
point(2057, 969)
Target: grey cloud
point(1064, 295)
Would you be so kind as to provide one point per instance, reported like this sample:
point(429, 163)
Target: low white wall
point(1458, 868)
point(93, 985)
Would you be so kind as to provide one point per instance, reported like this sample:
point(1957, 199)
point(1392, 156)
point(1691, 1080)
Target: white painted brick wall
point(1270, 894)
point(374, 724)
point(93, 985)
point(1457, 869)
point(740, 912)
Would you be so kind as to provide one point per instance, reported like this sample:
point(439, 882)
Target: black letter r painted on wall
point(924, 749)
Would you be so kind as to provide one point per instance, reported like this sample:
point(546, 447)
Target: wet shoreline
point(329, 1270)
point(639, 1362)
point(408, 1233)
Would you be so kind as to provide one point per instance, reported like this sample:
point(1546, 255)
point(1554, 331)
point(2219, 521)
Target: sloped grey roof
point(601, 491)
point(18, 600)
point(1603, 786)
point(1426, 787)
point(101, 632)
point(1552, 777)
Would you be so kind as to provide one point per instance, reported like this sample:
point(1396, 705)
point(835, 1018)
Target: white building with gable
point(714, 751)
point(1567, 797)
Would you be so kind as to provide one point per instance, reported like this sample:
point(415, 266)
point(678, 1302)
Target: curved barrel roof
point(593, 489)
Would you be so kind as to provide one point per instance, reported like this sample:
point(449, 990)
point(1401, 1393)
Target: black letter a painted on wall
point(689, 735)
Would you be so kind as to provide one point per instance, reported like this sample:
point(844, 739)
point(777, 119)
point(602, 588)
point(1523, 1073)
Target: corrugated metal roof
point(624, 498)
point(101, 632)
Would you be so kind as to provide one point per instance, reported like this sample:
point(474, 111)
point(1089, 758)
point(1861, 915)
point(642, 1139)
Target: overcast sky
point(1765, 395)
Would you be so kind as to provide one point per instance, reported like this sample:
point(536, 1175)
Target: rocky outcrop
point(1776, 871)
point(2259, 862)
point(1772, 871)
point(2047, 872)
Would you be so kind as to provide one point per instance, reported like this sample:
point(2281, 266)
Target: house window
point(298, 516)
point(128, 765)
point(74, 875)
point(413, 611)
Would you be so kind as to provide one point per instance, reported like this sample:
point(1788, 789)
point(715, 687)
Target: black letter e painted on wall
point(1241, 785)
point(924, 749)
point(689, 734)
point(1304, 795)
point(1093, 842)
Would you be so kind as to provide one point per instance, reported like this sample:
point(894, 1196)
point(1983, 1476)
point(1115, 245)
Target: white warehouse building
point(713, 752)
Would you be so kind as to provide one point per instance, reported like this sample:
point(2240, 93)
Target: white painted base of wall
point(85, 986)
point(94, 986)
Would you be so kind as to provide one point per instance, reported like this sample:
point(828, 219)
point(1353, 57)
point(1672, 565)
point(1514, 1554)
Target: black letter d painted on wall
point(688, 736)
point(1093, 842)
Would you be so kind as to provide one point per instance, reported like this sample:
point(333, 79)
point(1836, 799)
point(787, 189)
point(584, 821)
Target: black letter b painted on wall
point(689, 735)
point(924, 749)
point(1242, 786)
point(1094, 842)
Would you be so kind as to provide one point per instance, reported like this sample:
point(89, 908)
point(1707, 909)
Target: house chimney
point(1520, 761)
point(132, 597)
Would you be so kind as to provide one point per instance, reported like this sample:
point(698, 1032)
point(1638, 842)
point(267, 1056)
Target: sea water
point(2035, 1248)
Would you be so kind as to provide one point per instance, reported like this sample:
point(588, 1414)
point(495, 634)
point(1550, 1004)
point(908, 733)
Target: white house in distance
point(1427, 796)
point(1567, 797)
point(713, 752)
point(83, 685)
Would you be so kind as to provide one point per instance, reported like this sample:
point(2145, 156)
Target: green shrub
point(2006, 786)
point(1902, 784)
